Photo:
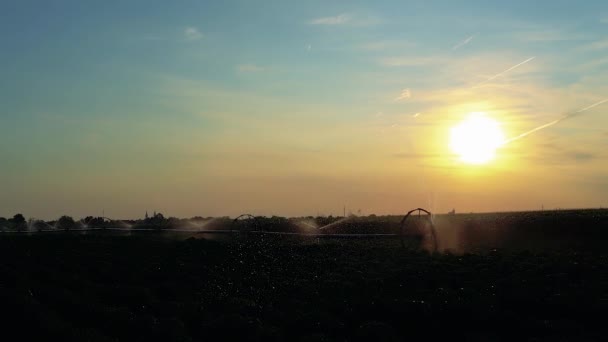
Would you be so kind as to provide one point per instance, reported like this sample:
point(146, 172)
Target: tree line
point(158, 221)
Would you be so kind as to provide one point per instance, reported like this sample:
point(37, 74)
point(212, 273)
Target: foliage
point(18, 222)
point(66, 222)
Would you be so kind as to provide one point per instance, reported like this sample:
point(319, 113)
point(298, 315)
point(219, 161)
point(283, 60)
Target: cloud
point(360, 20)
point(413, 155)
point(249, 68)
point(592, 65)
point(405, 94)
point(385, 45)
point(596, 45)
point(412, 61)
point(547, 35)
point(192, 33)
point(561, 154)
point(337, 20)
point(581, 156)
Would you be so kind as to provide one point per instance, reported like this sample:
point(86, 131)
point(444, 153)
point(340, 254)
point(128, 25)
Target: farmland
point(530, 276)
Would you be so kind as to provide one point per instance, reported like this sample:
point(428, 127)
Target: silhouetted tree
point(37, 224)
point(93, 222)
point(66, 222)
point(157, 220)
point(18, 222)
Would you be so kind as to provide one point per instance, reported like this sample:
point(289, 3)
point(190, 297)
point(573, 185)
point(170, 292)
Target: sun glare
point(476, 139)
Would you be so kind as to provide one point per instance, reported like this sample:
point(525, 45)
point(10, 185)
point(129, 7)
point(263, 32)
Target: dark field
point(548, 280)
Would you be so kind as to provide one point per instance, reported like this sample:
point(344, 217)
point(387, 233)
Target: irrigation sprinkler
point(429, 216)
point(241, 227)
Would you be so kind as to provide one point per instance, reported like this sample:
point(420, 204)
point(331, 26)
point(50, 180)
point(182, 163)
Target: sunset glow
point(476, 139)
point(299, 108)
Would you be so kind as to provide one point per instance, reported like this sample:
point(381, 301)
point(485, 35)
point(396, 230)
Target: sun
point(476, 139)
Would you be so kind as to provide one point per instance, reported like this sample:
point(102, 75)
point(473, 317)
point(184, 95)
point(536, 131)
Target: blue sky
point(296, 108)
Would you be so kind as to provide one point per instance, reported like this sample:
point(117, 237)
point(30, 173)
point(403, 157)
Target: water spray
point(430, 220)
point(243, 218)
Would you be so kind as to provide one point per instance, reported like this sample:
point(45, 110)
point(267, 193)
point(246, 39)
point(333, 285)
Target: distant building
point(453, 212)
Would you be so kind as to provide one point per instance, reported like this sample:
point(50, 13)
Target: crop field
point(494, 277)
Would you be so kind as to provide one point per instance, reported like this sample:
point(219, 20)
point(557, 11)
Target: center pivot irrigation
point(240, 223)
point(248, 223)
point(428, 216)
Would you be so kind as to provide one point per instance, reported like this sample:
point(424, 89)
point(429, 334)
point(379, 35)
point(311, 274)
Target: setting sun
point(476, 139)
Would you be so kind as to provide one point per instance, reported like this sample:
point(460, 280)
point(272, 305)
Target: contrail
point(504, 72)
point(567, 116)
point(463, 43)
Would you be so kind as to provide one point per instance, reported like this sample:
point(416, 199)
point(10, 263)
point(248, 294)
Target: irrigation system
point(250, 224)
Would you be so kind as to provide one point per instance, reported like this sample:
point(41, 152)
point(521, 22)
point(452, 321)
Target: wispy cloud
point(385, 45)
point(596, 45)
point(405, 94)
point(592, 65)
point(249, 68)
point(337, 20)
point(192, 33)
point(562, 154)
point(412, 61)
point(463, 43)
point(347, 19)
point(413, 155)
point(581, 156)
point(548, 35)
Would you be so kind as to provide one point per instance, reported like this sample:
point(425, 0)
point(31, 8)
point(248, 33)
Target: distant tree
point(159, 221)
point(66, 222)
point(37, 224)
point(174, 222)
point(18, 222)
point(93, 222)
point(97, 222)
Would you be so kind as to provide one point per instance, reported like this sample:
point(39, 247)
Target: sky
point(300, 108)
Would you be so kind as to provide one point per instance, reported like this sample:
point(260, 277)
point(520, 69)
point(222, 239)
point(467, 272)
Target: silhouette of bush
point(66, 222)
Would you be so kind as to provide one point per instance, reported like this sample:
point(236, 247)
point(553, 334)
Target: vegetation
point(101, 286)
point(18, 222)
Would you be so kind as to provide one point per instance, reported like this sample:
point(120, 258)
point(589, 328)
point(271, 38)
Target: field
point(503, 277)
